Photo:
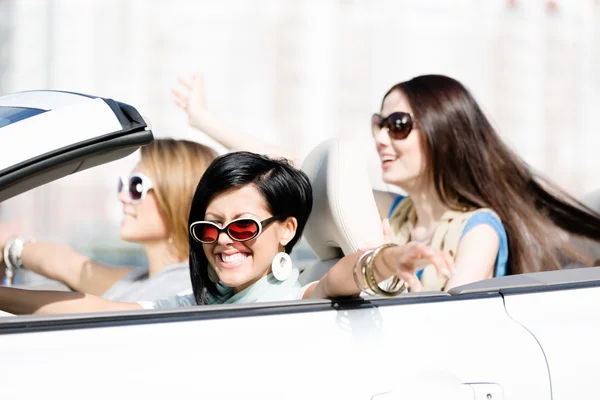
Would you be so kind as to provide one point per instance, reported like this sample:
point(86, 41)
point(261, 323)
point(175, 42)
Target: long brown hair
point(176, 167)
point(471, 167)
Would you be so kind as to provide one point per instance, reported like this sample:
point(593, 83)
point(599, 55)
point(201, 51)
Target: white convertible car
point(533, 336)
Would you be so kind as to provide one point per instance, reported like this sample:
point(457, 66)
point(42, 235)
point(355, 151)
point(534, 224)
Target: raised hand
point(405, 260)
point(191, 99)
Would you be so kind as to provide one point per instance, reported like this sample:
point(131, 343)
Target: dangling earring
point(281, 266)
point(212, 274)
point(170, 240)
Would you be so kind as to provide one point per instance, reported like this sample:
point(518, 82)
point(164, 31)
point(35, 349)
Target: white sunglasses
point(239, 230)
point(137, 187)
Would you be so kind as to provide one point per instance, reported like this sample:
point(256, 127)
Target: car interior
point(344, 218)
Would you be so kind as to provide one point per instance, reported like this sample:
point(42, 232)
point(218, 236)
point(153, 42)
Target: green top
point(265, 289)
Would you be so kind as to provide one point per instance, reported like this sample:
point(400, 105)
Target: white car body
point(530, 336)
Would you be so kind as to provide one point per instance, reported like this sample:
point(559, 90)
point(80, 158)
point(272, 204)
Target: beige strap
point(446, 237)
point(402, 221)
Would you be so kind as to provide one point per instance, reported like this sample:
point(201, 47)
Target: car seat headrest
point(344, 216)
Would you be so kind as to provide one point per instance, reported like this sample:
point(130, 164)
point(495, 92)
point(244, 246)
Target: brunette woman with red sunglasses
point(246, 216)
point(468, 194)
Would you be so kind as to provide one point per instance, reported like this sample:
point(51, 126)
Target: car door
point(413, 346)
point(559, 308)
point(564, 316)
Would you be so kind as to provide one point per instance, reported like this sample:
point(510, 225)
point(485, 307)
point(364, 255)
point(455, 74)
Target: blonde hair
point(176, 167)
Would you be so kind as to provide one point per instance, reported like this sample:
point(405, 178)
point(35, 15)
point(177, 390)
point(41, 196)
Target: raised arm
point(64, 264)
point(402, 261)
point(19, 301)
point(191, 99)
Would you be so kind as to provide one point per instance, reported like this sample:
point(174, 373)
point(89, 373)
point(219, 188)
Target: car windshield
point(9, 115)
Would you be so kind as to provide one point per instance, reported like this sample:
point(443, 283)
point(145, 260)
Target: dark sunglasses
point(398, 124)
point(137, 186)
point(239, 230)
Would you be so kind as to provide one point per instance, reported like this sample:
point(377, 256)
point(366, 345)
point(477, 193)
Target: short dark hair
point(286, 190)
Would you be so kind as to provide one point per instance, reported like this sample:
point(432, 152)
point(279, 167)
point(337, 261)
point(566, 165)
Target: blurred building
point(300, 71)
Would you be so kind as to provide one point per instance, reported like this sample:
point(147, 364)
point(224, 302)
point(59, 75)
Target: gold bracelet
point(360, 265)
point(372, 280)
point(365, 274)
point(397, 286)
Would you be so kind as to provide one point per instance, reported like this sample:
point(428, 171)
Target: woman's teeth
point(232, 258)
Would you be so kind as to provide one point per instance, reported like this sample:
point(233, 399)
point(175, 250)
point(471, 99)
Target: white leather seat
point(344, 216)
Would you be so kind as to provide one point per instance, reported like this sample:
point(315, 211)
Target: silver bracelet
point(12, 257)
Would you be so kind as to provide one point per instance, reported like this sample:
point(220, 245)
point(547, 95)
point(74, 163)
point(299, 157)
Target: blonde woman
point(156, 198)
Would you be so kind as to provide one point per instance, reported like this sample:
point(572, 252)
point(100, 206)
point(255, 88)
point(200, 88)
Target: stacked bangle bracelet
point(365, 269)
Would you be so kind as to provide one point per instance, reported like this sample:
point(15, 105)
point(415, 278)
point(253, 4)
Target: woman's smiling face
point(402, 161)
point(240, 264)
